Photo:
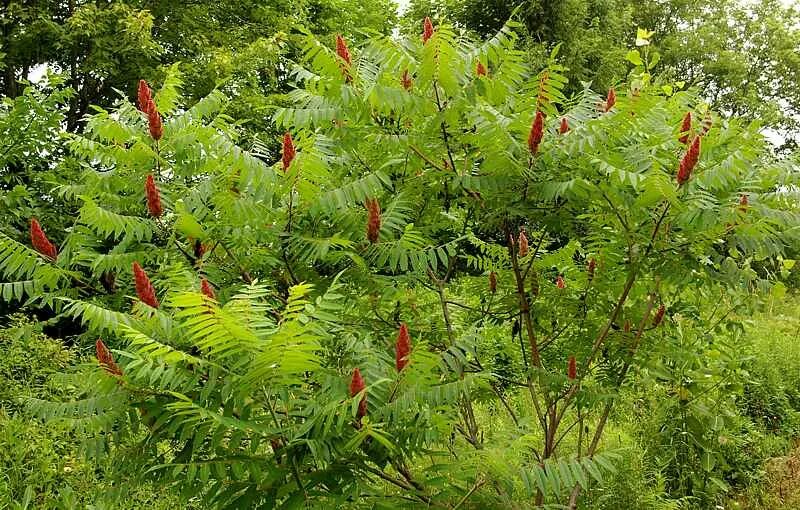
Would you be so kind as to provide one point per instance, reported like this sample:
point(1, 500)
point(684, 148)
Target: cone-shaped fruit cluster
point(590, 268)
point(373, 219)
point(564, 127)
point(659, 316)
point(289, 151)
point(40, 242)
point(523, 243)
point(154, 123)
point(536, 133)
point(342, 50)
point(689, 161)
point(344, 54)
point(207, 289)
point(144, 96)
point(148, 107)
point(572, 368)
point(356, 386)
point(427, 30)
point(686, 128)
point(106, 359)
point(492, 282)
point(144, 289)
point(402, 348)
point(406, 80)
point(153, 197)
point(480, 69)
point(198, 248)
point(611, 99)
point(560, 283)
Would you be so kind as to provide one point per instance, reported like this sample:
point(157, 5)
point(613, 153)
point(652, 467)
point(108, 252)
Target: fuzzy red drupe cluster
point(144, 289)
point(40, 242)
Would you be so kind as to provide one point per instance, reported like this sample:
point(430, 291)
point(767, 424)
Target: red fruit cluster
point(153, 197)
point(356, 386)
point(492, 282)
point(590, 268)
point(289, 151)
point(207, 289)
point(564, 127)
point(342, 50)
point(611, 99)
point(572, 368)
point(106, 359)
point(40, 242)
point(154, 124)
point(480, 69)
point(427, 30)
point(144, 289)
point(373, 219)
point(689, 161)
point(523, 243)
point(344, 54)
point(743, 202)
point(144, 97)
point(147, 106)
point(537, 131)
point(402, 348)
point(686, 128)
point(659, 316)
point(406, 80)
point(560, 283)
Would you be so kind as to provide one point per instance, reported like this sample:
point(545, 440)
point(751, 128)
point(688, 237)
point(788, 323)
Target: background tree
point(106, 47)
point(742, 56)
point(594, 36)
point(34, 157)
point(98, 46)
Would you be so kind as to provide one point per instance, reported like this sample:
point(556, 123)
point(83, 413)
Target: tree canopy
point(106, 47)
point(742, 56)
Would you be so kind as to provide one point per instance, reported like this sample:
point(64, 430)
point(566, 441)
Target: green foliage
point(709, 415)
point(104, 48)
point(42, 464)
point(243, 399)
point(740, 55)
point(33, 156)
point(770, 394)
point(559, 476)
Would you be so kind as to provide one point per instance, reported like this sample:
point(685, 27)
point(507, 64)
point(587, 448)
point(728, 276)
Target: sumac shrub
point(245, 399)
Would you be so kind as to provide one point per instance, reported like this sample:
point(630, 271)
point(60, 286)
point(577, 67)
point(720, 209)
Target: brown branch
point(244, 273)
point(505, 404)
point(425, 157)
point(480, 483)
point(399, 483)
point(601, 337)
point(523, 304)
point(573, 500)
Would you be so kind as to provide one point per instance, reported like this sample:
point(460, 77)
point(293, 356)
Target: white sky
point(402, 5)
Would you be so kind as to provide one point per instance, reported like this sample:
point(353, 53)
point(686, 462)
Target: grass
point(41, 466)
